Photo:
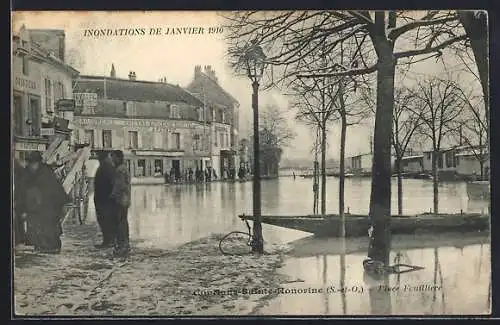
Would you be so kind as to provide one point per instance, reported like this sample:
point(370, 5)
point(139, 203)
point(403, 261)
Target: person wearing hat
point(120, 195)
point(44, 201)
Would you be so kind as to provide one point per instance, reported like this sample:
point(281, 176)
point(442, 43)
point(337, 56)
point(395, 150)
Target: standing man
point(44, 200)
point(120, 196)
point(103, 186)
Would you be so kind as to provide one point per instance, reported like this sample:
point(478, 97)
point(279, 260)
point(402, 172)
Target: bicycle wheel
point(236, 243)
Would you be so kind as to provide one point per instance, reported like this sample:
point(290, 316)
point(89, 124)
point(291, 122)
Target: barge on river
point(358, 225)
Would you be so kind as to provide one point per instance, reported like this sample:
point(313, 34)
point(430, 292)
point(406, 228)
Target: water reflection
point(446, 285)
point(166, 215)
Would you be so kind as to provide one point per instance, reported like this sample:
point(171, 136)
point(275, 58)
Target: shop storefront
point(26, 108)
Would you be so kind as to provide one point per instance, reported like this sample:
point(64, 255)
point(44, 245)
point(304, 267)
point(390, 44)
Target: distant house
point(468, 163)
point(362, 164)
point(446, 162)
point(412, 164)
point(461, 161)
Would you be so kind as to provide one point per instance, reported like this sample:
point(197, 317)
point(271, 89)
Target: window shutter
point(139, 140)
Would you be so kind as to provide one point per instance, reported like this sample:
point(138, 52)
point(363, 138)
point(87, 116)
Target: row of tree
point(319, 46)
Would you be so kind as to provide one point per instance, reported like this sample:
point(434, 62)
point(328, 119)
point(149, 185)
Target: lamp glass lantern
point(255, 62)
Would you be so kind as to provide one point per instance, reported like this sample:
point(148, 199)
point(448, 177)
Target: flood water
point(164, 216)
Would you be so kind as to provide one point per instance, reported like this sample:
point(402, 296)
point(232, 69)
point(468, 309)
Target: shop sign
point(65, 105)
point(30, 146)
point(137, 123)
point(26, 85)
point(85, 99)
point(47, 131)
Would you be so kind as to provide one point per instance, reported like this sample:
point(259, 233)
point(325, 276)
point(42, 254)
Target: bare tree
point(274, 135)
point(443, 105)
point(285, 36)
point(406, 120)
point(473, 130)
point(475, 24)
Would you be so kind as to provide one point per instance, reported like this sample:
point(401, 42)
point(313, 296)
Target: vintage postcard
point(328, 163)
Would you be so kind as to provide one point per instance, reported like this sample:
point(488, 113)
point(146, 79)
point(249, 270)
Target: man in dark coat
point(103, 185)
point(120, 196)
point(44, 200)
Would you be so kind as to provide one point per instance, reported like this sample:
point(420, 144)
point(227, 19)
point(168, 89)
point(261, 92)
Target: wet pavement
point(455, 279)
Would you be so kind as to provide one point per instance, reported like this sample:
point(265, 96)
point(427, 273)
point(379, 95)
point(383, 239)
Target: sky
point(174, 57)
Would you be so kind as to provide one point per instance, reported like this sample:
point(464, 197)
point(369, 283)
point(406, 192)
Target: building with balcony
point(42, 92)
point(159, 126)
point(221, 114)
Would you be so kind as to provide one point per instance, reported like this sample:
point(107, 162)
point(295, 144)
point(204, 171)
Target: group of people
point(39, 200)
point(190, 176)
point(112, 201)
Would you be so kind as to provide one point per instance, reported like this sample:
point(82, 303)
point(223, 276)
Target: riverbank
point(84, 281)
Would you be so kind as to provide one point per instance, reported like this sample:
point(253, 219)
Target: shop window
point(107, 139)
point(58, 93)
point(127, 161)
point(177, 140)
point(35, 118)
point(89, 137)
point(49, 99)
point(158, 167)
point(133, 139)
point(141, 167)
point(18, 115)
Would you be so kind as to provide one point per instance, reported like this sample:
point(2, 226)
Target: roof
point(42, 54)
point(125, 89)
point(211, 90)
point(412, 157)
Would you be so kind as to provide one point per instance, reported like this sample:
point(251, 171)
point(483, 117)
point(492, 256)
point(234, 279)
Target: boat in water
point(358, 225)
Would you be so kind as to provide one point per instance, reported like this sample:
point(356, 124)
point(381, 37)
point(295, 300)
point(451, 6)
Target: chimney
point(131, 75)
point(210, 72)
point(112, 74)
point(197, 71)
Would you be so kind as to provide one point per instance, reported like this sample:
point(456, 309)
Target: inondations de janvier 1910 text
point(151, 31)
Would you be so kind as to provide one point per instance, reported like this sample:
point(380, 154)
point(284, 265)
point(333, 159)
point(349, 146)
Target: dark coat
point(121, 186)
point(103, 183)
point(44, 194)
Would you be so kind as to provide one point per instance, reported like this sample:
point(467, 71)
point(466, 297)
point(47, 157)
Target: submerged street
point(176, 268)
point(163, 216)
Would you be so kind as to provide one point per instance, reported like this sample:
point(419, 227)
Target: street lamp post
point(254, 59)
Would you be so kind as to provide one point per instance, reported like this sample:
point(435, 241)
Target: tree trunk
point(400, 185)
point(481, 166)
point(342, 173)
point(323, 170)
point(380, 198)
point(476, 28)
point(435, 179)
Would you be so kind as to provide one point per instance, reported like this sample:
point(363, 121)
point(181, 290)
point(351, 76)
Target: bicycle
point(237, 243)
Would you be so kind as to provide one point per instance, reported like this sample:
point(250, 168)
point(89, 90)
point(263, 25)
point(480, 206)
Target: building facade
point(158, 126)
point(461, 161)
point(221, 114)
point(42, 94)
